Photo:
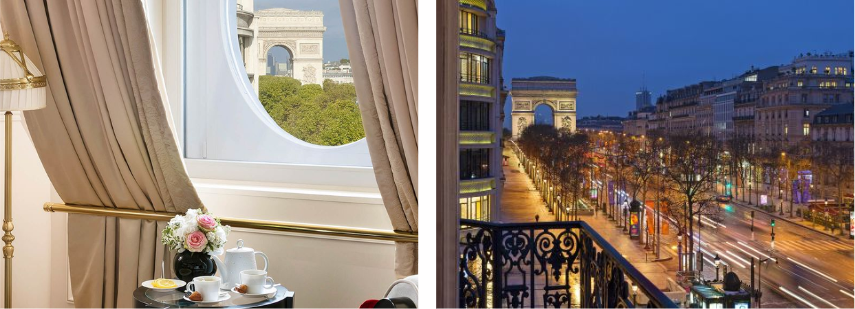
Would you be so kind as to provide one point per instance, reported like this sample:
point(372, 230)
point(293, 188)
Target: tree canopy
point(325, 115)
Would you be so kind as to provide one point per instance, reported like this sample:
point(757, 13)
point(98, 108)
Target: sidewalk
point(520, 202)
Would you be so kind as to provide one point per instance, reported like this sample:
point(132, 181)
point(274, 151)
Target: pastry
point(196, 296)
point(241, 289)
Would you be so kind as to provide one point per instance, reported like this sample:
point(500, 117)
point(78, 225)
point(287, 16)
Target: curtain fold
point(382, 39)
point(104, 138)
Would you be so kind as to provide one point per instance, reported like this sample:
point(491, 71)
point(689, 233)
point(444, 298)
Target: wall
point(32, 262)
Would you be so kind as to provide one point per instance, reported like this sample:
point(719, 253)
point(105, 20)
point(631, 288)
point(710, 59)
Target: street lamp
point(717, 262)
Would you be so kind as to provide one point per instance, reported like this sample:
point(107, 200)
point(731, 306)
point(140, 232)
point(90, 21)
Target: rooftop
point(837, 109)
point(544, 79)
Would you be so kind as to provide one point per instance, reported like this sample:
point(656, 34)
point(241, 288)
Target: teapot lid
point(240, 247)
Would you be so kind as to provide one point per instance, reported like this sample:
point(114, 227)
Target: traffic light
point(773, 222)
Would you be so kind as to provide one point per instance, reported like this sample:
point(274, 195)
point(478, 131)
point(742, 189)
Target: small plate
point(178, 284)
point(223, 296)
point(265, 293)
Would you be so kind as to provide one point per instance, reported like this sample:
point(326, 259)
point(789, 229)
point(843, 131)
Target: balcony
point(477, 137)
point(480, 4)
point(478, 90)
point(477, 40)
point(475, 78)
point(244, 19)
point(477, 185)
point(547, 264)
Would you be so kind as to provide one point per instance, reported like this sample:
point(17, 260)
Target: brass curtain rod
point(301, 228)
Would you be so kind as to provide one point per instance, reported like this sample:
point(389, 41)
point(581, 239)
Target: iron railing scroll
point(547, 264)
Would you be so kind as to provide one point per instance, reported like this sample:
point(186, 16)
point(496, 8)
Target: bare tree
point(691, 171)
point(835, 162)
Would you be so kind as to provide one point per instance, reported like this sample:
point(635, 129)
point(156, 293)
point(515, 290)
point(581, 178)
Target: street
point(813, 269)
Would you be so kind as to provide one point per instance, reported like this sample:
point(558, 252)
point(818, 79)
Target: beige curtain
point(104, 138)
point(382, 38)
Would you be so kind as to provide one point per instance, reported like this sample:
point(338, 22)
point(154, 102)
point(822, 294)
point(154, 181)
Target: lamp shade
point(22, 86)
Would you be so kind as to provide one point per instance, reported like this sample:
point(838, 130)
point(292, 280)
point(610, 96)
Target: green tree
point(323, 115)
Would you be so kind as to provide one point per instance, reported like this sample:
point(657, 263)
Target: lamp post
point(717, 262)
point(780, 193)
point(680, 251)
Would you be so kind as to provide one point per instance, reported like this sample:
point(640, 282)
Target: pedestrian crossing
point(810, 245)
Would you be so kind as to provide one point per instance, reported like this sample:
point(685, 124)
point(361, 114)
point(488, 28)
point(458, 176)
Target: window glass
point(302, 76)
point(474, 68)
point(474, 163)
point(474, 116)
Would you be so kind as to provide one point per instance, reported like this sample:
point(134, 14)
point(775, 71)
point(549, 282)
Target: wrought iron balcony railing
point(475, 78)
point(547, 264)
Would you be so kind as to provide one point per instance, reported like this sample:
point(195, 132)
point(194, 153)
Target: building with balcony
point(680, 110)
point(800, 90)
point(638, 121)
point(480, 97)
point(247, 31)
point(601, 123)
point(833, 124)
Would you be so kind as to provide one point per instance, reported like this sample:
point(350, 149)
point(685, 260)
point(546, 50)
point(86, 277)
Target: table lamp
point(22, 87)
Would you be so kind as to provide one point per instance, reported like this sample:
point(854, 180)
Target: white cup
point(208, 286)
point(256, 281)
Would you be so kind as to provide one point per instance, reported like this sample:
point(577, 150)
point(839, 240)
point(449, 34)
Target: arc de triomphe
point(528, 93)
point(301, 33)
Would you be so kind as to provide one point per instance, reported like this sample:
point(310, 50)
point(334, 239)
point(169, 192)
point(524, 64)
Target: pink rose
point(196, 241)
point(206, 222)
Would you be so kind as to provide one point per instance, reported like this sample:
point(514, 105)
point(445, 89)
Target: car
point(724, 198)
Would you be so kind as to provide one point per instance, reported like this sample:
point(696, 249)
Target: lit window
point(813, 70)
point(806, 129)
point(800, 83)
point(470, 23)
point(827, 70)
point(474, 68)
point(786, 129)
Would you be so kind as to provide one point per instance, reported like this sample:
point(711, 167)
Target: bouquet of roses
point(195, 231)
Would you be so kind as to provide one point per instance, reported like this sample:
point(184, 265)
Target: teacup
point(256, 281)
point(208, 286)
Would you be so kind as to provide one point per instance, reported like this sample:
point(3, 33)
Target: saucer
point(223, 296)
point(178, 284)
point(265, 293)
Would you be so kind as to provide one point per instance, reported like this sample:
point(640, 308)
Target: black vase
point(189, 265)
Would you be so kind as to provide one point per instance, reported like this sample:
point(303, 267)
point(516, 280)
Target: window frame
point(172, 48)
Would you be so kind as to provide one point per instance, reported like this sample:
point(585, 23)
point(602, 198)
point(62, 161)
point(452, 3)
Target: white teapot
point(237, 260)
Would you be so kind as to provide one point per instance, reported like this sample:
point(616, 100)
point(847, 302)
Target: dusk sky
point(609, 45)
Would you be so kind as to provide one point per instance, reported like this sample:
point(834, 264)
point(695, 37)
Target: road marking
point(746, 252)
point(758, 252)
point(732, 259)
point(814, 270)
point(817, 297)
point(798, 297)
point(847, 294)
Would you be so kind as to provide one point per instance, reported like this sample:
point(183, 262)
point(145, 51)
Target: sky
point(335, 46)
point(610, 46)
